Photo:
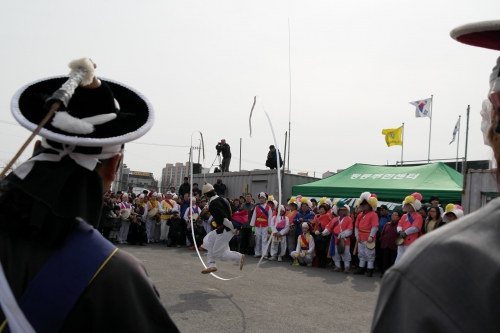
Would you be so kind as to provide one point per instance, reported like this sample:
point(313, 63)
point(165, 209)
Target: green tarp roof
point(389, 183)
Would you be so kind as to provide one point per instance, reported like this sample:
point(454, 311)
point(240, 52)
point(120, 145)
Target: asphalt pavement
point(275, 297)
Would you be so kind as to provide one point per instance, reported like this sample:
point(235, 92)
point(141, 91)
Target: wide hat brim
point(484, 34)
point(136, 116)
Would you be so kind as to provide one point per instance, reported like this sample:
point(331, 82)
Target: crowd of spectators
point(173, 227)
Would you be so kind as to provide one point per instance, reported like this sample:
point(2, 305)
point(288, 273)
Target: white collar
point(213, 198)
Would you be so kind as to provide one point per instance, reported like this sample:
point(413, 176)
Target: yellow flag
point(393, 136)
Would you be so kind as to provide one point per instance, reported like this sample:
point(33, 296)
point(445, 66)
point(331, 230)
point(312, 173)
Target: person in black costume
point(216, 242)
point(50, 198)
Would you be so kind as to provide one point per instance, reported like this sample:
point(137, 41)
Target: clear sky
point(355, 66)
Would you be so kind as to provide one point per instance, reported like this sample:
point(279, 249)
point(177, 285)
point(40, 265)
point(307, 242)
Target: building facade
point(173, 175)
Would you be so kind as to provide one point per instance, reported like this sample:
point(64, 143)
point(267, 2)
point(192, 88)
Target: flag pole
point(430, 129)
point(402, 142)
point(458, 142)
point(464, 166)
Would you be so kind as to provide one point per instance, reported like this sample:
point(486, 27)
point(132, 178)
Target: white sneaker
point(256, 256)
point(280, 259)
point(272, 259)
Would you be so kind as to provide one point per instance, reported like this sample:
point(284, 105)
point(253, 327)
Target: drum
point(370, 246)
point(124, 214)
point(341, 246)
point(153, 212)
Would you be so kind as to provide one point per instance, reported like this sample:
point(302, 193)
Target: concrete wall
point(254, 182)
point(480, 189)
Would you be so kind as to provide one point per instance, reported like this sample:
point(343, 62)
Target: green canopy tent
point(388, 183)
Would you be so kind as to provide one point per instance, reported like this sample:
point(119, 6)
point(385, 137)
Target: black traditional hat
point(482, 34)
point(111, 114)
point(95, 119)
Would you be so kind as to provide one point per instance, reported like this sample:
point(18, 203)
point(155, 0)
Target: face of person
point(248, 198)
point(271, 204)
point(236, 202)
point(435, 202)
point(451, 217)
point(305, 207)
point(363, 207)
point(273, 149)
point(169, 196)
point(195, 186)
point(219, 181)
point(185, 181)
point(383, 211)
point(322, 211)
point(395, 217)
point(146, 199)
point(313, 204)
point(186, 197)
point(433, 213)
point(342, 211)
point(305, 230)
point(409, 209)
point(202, 204)
point(262, 200)
point(172, 189)
point(117, 211)
point(223, 142)
point(423, 213)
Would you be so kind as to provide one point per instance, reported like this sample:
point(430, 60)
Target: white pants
point(217, 246)
point(150, 228)
point(123, 233)
point(164, 230)
point(365, 255)
point(291, 242)
point(307, 259)
point(260, 240)
point(207, 226)
point(157, 233)
point(276, 245)
point(401, 251)
point(346, 257)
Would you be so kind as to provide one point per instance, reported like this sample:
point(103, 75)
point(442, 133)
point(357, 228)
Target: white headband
point(89, 162)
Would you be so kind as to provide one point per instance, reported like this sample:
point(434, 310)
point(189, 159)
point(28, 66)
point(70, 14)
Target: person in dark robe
point(216, 242)
point(448, 281)
point(54, 199)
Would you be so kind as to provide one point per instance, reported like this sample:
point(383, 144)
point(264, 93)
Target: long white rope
point(279, 185)
point(277, 169)
point(191, 218)
point(15, 317)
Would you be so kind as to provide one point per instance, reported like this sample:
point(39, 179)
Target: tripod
point(220, 164)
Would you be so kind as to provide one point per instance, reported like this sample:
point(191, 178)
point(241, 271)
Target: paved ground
point(277, 297)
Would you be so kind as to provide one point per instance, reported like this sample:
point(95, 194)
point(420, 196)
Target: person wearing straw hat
point(365, 231)
point(410, 225)
point(150, 211)
point(216, 242)
point(125, 210)
point(305, 246)
point(278, 244)
point(55, 266)
point(452, 273)
point(341, 228)
point(262, 220)
point(165, 208)
point(452, 212)
point(291, 238)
